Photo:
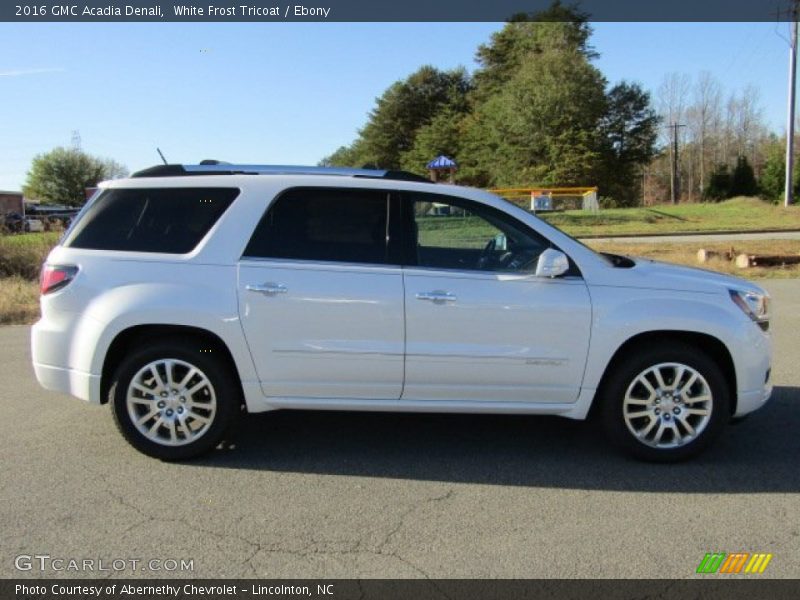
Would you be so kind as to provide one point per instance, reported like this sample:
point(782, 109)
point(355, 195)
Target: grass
point(19, 301)
point(684, 253)
point(454, 231)
point(23, 255)
point(737, 214)
point(470, 232)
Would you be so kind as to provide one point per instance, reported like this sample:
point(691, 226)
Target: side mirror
point(552, 263)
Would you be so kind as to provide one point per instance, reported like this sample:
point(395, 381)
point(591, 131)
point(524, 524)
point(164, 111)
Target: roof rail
point(214, 167)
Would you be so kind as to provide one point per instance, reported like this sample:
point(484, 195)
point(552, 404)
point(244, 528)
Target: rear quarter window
point(169, 220)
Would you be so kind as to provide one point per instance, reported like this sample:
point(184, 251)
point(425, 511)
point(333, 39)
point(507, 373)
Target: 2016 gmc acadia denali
point(184, 293)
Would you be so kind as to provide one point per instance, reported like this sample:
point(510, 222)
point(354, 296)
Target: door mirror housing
point(552, 263)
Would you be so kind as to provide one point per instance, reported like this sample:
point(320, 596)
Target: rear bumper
point(53, 363)
point(69, 381)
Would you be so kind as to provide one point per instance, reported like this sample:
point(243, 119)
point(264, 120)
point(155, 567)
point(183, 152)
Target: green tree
point(719, 184)
point(529, 34)
point(345, 156)
point(441, 136)
point(542, 127)
point(743, 180)
point(773, 175)
point(62, 175)
point(475, 158)
point(404, 108)
point(535, 112)
point(537, 104)
point(629, 130)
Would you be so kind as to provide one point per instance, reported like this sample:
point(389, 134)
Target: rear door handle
point(268, 289)
point(437, 296)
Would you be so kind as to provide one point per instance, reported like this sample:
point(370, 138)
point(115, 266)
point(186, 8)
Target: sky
point(291, 93)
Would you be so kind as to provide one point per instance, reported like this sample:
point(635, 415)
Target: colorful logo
point(733, 563)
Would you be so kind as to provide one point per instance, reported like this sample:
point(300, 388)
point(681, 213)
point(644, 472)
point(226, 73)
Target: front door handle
point(268, 289)
point(437, 296)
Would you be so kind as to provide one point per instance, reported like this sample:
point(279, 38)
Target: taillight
point(55, 277)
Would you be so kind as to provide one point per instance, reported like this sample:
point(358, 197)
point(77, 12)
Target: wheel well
point(709, 344)
point(133, 336)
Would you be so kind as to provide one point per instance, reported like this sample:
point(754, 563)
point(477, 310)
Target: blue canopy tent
point(442, 164)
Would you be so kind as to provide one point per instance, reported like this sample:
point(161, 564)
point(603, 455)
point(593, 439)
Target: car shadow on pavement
point(757, 454)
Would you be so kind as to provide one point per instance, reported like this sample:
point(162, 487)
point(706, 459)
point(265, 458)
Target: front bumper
point(750, 401)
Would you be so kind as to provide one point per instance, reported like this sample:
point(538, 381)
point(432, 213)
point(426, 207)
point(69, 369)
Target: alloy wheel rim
point(171, 402)
point(667, 405)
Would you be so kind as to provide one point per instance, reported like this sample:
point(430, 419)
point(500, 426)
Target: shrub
point(773, 175)
point(719, 184)
point(743, 180)
point(608, 202)
point(22, 255)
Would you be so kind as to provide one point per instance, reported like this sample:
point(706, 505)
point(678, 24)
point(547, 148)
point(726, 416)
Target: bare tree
point(672, 98)
point(728, 129)
point(703, 116)
point(749, 124)
point(719, 127)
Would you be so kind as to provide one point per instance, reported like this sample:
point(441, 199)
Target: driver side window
point(450, 233)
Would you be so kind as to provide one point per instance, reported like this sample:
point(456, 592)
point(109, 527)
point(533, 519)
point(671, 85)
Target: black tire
point(624, 375)
point(224, 387)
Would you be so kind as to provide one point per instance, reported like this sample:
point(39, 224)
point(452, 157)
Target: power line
point(742, 48)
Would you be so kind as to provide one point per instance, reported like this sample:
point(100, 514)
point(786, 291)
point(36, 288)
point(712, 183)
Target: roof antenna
point(161, 154)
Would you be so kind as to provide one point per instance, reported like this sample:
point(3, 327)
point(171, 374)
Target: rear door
point(479, 325)
point(321, 296)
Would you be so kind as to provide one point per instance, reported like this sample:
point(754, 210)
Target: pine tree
point(719, 184)
point(743, 180)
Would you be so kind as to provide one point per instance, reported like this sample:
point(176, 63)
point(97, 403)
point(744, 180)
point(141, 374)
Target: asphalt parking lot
point(311, 494)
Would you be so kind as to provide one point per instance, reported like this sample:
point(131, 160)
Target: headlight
point(754, 305)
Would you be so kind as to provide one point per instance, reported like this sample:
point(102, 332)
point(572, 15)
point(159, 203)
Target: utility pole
point(674, 179)
point(790, 112)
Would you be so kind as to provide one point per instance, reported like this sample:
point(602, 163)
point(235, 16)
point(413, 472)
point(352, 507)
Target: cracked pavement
point(312, 494)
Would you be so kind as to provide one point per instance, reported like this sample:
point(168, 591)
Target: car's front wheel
point(666, 403)
point(172, 401)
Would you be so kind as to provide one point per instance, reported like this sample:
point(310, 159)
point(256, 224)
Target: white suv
point(187, 294)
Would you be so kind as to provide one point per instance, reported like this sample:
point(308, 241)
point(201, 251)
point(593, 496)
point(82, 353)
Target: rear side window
point(323, 224)
point(170, 220)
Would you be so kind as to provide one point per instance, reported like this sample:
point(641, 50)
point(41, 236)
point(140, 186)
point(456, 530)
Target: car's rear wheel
point(666, 403)
point(172, 401)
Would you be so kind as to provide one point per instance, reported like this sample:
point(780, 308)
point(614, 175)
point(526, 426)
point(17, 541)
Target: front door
point(479, 325)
